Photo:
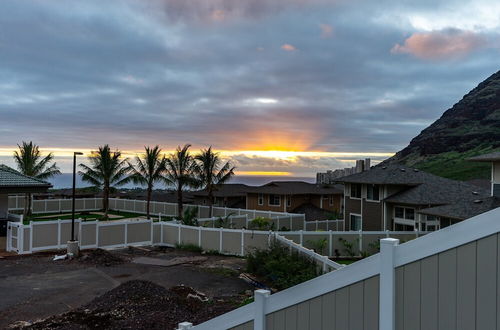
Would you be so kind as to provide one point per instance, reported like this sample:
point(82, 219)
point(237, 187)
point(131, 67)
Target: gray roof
point(389, 174)
point(226, 190)
point(465, 209)
point(438, 191)
point(296, 188)
point(12, 179)
point(491, 157)
point(275, 187)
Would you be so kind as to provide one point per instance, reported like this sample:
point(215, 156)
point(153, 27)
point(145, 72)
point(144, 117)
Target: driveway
point(35, 287)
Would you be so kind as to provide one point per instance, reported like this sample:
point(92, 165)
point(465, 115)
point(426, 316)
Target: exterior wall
point(4, 205)
point(352, 307)
point(296, 201)
point(454, 289)
point(372, 215)
point(352, 205)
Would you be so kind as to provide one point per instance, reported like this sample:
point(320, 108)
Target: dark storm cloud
point(307, 75)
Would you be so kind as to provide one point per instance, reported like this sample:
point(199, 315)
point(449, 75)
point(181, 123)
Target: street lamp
point(73, 245)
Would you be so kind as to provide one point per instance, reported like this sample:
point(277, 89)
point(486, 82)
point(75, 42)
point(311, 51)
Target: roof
point(389, 174)
point(438, 191)
point(15, 181)
point(297, 188)
point(465, 209)
point(491, 157)
point(226, 190)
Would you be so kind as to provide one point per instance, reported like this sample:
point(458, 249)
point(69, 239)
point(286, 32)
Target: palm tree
point(181, 173)
point(149, 169)
point(107, 169)
point(30, 162)
point(212, 173)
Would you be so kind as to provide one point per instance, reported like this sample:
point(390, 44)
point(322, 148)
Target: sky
point(278, 87)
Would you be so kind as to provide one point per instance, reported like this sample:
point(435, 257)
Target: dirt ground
point(35, 287)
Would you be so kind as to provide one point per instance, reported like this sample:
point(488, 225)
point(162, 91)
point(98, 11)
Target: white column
point(387, 303)
point(260, 297)
point(220, 239)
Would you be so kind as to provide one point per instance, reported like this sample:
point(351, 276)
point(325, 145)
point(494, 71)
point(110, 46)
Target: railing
point(453, 270)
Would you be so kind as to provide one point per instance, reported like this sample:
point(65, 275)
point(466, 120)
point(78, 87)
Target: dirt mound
point(138, 305)
point(100, 257)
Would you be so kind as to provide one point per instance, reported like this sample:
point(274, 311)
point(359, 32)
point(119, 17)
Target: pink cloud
point(442, 44)
point(326, 30)
point(288, 48)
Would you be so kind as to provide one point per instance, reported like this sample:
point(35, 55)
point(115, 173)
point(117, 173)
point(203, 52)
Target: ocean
point(65, 181)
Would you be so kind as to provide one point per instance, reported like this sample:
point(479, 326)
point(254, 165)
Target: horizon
point(279, 88)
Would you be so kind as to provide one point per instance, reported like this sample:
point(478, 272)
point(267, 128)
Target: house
point(464, 209)
point(227, 195)
point(396, 197)
point(316, 201)
point(13, 182)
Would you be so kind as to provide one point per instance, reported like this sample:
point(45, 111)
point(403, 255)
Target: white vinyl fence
point(335, 225)
point(447, 279)
point(289, 221)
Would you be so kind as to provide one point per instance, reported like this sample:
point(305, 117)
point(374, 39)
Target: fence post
point(58, 233)
point(184, 326)
point(301, 237)
point(260, 297)
point(242, 242)
point(220, 240)
point(199, 236)
point(360, 241)
point(179, 234)
point(330, 244)
point(387, 302)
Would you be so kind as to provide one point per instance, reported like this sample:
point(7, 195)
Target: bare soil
point(138, 305)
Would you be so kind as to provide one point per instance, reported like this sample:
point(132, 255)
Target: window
point(288, 200)
point(356, 222)
point(372, 192)
point(404, 213)
point(356, 190)
point(260, 199)
point(274, 200)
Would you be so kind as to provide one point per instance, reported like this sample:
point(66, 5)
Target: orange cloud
point(440, 44)
point(326, 30)
point(288, 48)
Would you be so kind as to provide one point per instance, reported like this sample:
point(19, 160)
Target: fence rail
point(335, 225)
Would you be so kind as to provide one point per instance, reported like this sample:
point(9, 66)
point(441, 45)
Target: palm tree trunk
point(179, 203)
point(210, 203)
point(105, 201)
point(30, 197)
point(150, 188)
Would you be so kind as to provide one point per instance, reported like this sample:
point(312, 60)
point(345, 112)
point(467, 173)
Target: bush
point(188, 247)
point(261, 223)
point(280, 268)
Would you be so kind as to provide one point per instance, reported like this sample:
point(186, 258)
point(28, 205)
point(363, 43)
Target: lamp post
point(72, 244)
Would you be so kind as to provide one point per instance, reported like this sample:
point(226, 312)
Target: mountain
point(471, 127)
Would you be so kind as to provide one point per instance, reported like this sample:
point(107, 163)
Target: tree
point(149, 168)
point(107, 169)
point(212, 173)
point(30, 162)
point(181, 173)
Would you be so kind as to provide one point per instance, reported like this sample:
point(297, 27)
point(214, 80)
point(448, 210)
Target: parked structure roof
point(14, 181)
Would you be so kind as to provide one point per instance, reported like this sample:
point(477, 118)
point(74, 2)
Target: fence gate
point(13, 236)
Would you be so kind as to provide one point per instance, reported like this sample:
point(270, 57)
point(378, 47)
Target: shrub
point(280, 268)
point(348, 247)
point(261, 223)
point(190, 217)
point(318, 245)
point(188, 247)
